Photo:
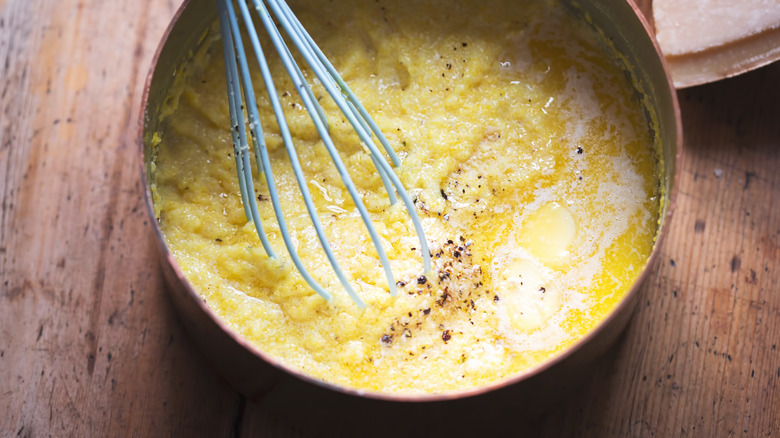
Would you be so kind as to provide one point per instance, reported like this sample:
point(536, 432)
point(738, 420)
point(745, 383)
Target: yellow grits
point(522, 142)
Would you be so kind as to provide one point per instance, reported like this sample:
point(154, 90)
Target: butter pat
point(548, 234)
point(530, 296)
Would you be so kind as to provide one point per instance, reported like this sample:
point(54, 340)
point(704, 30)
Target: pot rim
point(510, 380)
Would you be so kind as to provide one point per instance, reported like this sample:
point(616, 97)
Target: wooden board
point(89, 344)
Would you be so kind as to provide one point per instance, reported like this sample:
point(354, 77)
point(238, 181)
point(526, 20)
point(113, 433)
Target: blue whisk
point(238, 80)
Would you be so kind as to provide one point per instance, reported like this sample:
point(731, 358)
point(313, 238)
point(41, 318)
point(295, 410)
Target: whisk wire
point(240, 144)
point(300, 178)
point(264, 161)
point(364, 126)
point(302, 39)
point(327, 74)
point(302, 87)
point(332, 81)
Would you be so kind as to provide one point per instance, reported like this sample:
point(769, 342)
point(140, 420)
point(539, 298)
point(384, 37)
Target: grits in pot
point(527, 152)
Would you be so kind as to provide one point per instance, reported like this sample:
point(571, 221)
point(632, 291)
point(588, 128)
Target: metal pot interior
point(616, 19)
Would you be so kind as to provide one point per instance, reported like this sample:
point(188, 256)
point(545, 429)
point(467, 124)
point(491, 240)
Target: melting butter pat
point(529, 295)
point(548, 233)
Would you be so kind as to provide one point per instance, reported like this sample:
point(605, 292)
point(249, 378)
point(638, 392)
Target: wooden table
point(90, 346)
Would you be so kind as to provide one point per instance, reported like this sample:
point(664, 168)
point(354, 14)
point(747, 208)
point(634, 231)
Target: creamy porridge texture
point(529, 158)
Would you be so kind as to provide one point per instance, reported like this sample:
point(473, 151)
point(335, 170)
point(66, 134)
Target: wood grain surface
point(89, 343)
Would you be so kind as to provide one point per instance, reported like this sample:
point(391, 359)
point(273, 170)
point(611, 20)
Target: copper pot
point(262, 378)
